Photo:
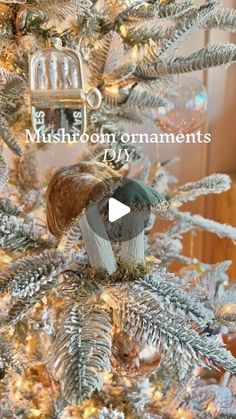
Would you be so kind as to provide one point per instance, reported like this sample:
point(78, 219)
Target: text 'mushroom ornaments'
point(58, 98)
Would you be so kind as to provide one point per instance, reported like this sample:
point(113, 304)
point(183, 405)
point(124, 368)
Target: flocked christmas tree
point(89, 329)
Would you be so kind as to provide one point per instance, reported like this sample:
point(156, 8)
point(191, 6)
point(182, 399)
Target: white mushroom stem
point(133, 249)
point(98, 246)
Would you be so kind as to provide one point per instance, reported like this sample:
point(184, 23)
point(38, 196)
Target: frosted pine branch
point(173, 298)
point(187, 222)
point(4, 173)
point(142, 32)
point(185, 29)
point(224, 19)
point(8, 138)
point(121, 74)
point(5, 356)
point(142, 99)
point(185, 260)
point(19, 308)
point(123, 10)
point(150, 54)
point(110, 414)
point(216, 183)
point(11, 86)
point(33, 273)
point(138, 14)
point(140, 315)
point(106, 57)
point(166, 248)
point(84, 9)
point(16, 234)
point(28, 280)
point(175, 10)
point(28, 275)
point(225, 314)
point(5, 280)
point(26, 168)
point(210, 56)
point(209, 280)
point(55, 9)
point(205, 394)
point(82, 349)
point(8, 208)
point(168, 313)
point(72, 235)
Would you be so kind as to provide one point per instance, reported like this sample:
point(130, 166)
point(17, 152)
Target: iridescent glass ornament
point(185, 111)
point(58, 99)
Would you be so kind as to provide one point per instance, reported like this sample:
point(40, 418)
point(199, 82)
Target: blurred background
point(198, 160)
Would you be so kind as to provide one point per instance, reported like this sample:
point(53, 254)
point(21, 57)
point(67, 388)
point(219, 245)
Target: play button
point(124, 207)
point(116, 210)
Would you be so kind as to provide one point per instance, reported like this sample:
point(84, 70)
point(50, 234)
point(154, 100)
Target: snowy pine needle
point(207, 57)
point(4, 174)
point(184, 222)
point(17, 234)
point(224, 19)
point(216, 183)
point(140, 315)
point(176, 300)
point(11, 86)
point(185, 29)
point(7, 137)
point(103, 61)
point(82, 349)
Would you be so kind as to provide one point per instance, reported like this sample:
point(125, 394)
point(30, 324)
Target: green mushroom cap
point(139, 196)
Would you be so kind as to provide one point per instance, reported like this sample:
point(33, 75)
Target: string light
point(211, 408)
point(62, 244)
point(183, 414)
point(123, 31)
point(113, 90)
point(189, 390)
point(14, 199)
point(157, 395)
point(6, 259)
point(105, 297)
point(36, 413)
point(134, 54)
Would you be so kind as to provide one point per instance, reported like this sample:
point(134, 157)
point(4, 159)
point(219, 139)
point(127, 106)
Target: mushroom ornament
point(141, 198)
point(73, 193)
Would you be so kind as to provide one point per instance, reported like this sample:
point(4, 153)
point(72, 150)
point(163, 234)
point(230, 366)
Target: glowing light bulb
point(211, 408)
point(123, 31)
point(105, 297)
point(6, 259)
point(134, 54)
point(113, 90)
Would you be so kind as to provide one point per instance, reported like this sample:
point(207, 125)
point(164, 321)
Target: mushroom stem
point(133, 249)
point(98, 247)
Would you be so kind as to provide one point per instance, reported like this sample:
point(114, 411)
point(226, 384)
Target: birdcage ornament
point(58, 99)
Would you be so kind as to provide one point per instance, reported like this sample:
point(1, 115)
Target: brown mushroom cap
point(70, 190)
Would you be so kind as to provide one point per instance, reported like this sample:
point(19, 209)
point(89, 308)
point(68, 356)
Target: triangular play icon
point(116, 210)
